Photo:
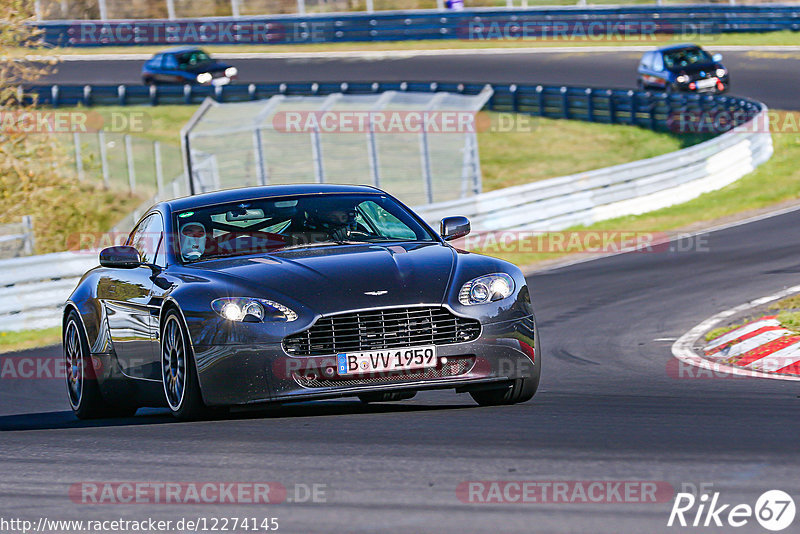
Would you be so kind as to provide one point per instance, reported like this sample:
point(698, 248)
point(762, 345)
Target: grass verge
point(774, 182)
point(29, 339)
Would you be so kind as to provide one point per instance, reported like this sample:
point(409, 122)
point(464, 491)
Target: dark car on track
point(684, 67)
point(289, 293)
point(187, 65)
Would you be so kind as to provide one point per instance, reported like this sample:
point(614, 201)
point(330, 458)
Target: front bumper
point(256, 373)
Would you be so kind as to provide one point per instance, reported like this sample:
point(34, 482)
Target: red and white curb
point(760, 349)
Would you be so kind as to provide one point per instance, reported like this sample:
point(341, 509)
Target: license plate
point(387, 360)
point(705, 84)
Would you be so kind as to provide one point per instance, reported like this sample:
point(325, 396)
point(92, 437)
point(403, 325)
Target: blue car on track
point(683, 68)
point(186, 65)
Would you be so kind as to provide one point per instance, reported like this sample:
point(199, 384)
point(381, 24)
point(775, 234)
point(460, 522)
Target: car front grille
point(455, 366)
point(382, 329)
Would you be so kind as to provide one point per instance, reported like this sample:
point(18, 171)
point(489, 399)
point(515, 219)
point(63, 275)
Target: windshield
point(270, 225)
point(188, 60)
point(686, 57)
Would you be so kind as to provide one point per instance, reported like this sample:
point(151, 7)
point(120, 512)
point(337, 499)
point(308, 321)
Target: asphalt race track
point(610, 406)
point(770, 77)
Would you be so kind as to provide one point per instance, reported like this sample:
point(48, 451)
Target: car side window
point(647, 60)
point(147, 240)
point(387, 224)
point(658, 62)
point(170, 62)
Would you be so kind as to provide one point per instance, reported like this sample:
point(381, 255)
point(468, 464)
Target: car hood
point(342, 277)
point(213, 66)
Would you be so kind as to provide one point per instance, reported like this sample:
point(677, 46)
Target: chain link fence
point(421, 147)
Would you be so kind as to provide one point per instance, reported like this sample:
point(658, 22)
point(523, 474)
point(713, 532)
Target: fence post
point(103, 9)
point(316, 153)
point(301, 7)
point(76, 140)
point(372, 151)
point(235, 8)
point(101, 140)
point(28, 241)
point(425, 160)
point(261, 166)
point(370, 6)
point(171, 9)
point(37, 9)
point(131, 170)
point(159, 169)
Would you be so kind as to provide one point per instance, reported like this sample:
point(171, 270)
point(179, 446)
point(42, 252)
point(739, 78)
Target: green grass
point(721, 330)
point(790, 320)
point(554, 147)
point(29, 339)
point(776, 181)
point(708, 41)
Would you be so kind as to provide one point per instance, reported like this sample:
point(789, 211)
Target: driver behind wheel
point(193, 240)
point(336, 223)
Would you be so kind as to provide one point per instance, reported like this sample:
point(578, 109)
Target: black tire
point(640, 85)
point(393, 396)
point(521, 390)
point(178, 372)
point(83, 390)
point(149, 81)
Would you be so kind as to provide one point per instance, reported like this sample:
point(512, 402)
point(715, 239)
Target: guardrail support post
point(54, 93)
point(101, 140)
point(159, 170)
point(87, 95)
point(76, 140)
point(590, 104)
point(122, 94)
point(540, 95)
point(565, 102)
point(28, 242)
point(131, 170)
point(634, 107)
point(612, 107)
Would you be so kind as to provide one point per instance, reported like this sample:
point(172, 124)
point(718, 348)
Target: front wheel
point(521, 390)
point(178, 373)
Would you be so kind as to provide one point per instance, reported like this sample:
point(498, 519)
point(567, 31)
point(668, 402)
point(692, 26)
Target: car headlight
point(721, 72)
point(486, 288)
point(682, 78)
point(230, 72)
point(252, 310)
point(204, 77)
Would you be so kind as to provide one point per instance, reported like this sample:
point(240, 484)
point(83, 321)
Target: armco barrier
point(627, 189)
point(35, 288)
point(490, 23)
point(653, 110)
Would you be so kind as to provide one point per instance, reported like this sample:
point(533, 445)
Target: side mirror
point(120, 257)
point(454, 227)
point(717, 57)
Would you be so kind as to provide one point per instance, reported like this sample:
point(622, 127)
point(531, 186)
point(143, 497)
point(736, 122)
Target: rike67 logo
point(774, 510)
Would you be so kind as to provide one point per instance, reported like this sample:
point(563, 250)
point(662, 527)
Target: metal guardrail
point(480, 23)
point(16, 239)
point(35, 288)
point(654, 110)
point(627, 189)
